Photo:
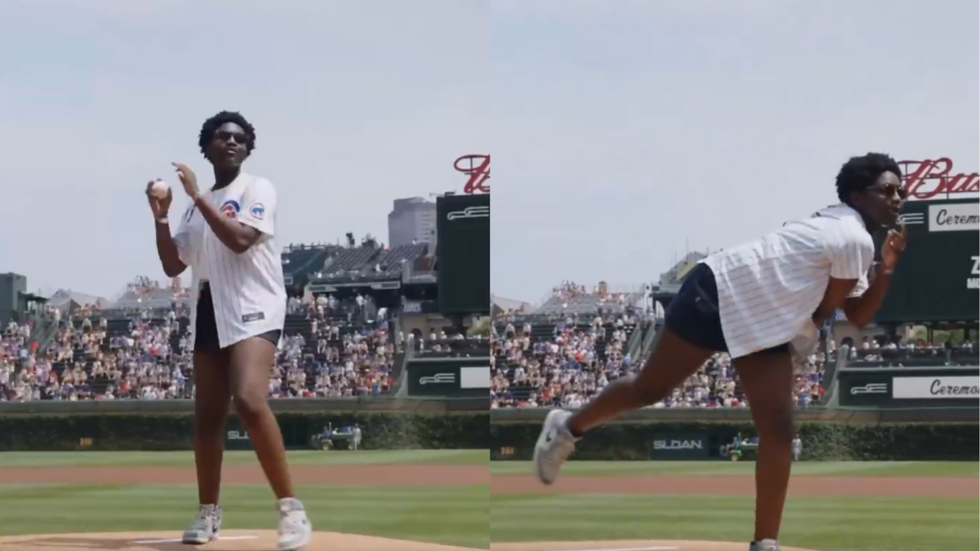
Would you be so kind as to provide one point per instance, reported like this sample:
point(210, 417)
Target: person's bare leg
point(673, 360)
point(211, 400)
point(250, 363)
point(767, 380)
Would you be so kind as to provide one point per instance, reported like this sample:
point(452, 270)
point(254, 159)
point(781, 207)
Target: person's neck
point(223, 177)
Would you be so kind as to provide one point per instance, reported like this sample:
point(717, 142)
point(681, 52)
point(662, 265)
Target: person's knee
point(250, 403)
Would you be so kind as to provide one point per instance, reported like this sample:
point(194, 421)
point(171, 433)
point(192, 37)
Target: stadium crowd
point(541, 362)
point(332, 350)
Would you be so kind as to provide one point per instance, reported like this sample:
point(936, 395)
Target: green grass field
point(721, 468)
point(179, 459)
point(470, 516)
point(456, 515)
point(824, 523)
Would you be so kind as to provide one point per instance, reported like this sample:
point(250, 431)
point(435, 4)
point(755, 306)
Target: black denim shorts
point(693, 313)
point(206, 326)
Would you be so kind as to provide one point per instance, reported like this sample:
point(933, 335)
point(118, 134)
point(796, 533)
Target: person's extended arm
point(860, 310)
point(167, 250)
point(166, 246)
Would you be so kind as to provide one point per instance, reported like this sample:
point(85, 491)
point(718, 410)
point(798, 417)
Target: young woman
point(227, 238)
point(759, 302)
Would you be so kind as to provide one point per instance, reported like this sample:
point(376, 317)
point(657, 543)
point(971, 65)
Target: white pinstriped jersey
point(768, 289)
point(247, 289)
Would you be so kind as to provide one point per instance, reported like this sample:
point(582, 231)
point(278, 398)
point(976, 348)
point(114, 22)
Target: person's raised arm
point(861, 308)
point(167, 249)
point(233, 234)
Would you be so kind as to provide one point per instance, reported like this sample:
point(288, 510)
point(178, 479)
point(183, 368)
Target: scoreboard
point(936, 279)
point(463, 249)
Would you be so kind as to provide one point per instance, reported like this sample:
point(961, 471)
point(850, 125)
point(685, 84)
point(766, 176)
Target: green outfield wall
point(686, 434)
point(385, 423)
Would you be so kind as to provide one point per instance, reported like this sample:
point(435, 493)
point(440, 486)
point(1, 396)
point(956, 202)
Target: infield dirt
point(464, 475)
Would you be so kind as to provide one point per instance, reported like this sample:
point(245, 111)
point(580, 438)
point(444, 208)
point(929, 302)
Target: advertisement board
point(236, 437)
point(449, 377)
point(937, 388)
point(679, 447)
point(939, 275)
point(463, 253)
point(909, 387)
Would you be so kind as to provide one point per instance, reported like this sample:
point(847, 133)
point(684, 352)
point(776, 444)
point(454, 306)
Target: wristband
point(163, 220)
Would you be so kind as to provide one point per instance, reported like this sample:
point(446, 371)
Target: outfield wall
point(385, 422)
point(701, 434)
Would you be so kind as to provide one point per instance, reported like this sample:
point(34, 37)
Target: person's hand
point(188, 179)
point(159, 207)
point(893, 248)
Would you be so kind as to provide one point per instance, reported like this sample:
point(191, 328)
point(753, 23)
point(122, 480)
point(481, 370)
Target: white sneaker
point(764, 545)
point(295, 529)
point(554, 445)
point(205, 527)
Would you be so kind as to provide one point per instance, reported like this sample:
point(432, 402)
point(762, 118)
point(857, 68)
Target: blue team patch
point(257, 211)
point(231, 209)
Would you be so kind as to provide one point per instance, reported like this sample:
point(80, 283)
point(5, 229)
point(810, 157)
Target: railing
point(293, 405)
point(812, 413)
point(649, 339)
point(636, 338)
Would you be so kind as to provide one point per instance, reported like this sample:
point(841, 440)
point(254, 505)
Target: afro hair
point(860, 173)
point(214, 123)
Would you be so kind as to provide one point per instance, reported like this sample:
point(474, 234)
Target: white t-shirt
point(247, 289)
point(768, 289)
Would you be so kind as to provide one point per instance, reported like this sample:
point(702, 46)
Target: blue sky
point(622, 131)
point(625, 132)
point(353, 108)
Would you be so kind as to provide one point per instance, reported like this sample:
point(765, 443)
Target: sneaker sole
point(299, 545)
point(199, 541)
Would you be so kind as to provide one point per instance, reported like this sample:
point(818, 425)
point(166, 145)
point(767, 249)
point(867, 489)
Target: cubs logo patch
point(257, 211)
point(231, 209)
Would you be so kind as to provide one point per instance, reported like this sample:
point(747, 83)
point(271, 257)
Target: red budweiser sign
point(935, 179)
point(477, 167)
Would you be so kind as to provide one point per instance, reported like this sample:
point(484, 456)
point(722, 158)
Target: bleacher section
point(544, 364)
point(367, 263)
point(586, 304)
point(298, 262)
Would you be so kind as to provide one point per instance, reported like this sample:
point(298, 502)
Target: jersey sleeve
point(182, 238)
point(851, 254)
point(259, 206)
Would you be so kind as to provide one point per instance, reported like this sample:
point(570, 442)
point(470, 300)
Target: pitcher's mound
point(231, 540)
point(621, 545)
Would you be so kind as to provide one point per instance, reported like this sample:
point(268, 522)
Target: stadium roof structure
point(677, 273)
point(509, 305)
point(65, 296)
point(159, 297)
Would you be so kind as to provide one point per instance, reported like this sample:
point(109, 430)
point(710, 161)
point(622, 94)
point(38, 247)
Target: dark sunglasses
point(228, 136)
point(889, 189)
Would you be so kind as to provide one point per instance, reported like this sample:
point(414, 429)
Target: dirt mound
point(621, 545)
point(233, 540)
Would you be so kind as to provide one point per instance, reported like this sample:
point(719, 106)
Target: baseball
point(159, 189)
